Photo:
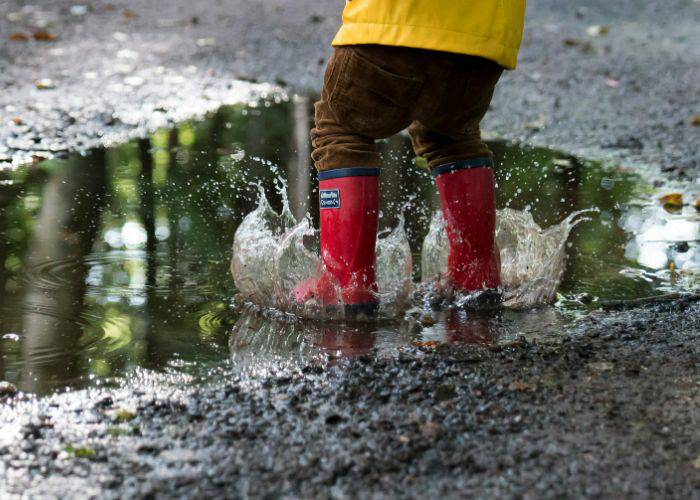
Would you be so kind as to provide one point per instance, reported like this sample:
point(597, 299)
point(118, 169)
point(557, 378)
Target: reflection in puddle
point(119, 259)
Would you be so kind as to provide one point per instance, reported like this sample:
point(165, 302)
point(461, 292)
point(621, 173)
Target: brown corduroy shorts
point(373, 91)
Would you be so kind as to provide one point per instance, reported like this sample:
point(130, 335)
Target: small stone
point(7, 388)
point(597, 30)
point(78, 10)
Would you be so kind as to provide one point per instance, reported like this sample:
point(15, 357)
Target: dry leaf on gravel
point(19, 37)
point(45, 84)
point(43, 36)
point(430, 344)
point(519, 385)
point(672, 202)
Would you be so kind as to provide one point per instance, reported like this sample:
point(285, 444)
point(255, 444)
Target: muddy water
point(116, 260)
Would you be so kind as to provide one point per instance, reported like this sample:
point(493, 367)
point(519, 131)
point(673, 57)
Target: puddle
point(119, 259)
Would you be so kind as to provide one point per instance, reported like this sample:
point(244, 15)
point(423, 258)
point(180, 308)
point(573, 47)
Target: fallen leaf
point(697, 205)
point(570, 42)
point(43, 36)
point(427, 320)
point(597, 30)
point(519, 385)
point(7, 389)
point(45, 84)
point(672, 202)
point(130, 14)
point(19, 37)
point(695, 120)
point(430, 344)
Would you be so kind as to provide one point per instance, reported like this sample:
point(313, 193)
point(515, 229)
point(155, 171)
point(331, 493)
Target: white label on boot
point(329, 198)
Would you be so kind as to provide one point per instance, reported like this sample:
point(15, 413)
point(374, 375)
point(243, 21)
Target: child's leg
point(450, 140)
point(360, 102)
point(368, 93)
point(336, 146)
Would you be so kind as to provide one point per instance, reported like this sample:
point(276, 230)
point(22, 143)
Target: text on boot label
point(329, 198)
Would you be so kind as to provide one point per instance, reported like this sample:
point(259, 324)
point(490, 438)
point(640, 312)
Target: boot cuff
point(348, 172)
point(461, 165)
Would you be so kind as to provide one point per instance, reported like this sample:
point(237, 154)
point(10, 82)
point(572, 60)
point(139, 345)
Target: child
point(431, 66)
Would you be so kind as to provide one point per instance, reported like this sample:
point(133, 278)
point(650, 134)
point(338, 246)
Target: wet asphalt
point(612, 410)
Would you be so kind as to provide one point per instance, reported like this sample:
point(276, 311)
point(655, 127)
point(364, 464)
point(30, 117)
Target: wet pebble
point(7, 389)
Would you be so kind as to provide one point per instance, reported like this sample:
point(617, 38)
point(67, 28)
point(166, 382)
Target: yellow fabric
point(487, 28)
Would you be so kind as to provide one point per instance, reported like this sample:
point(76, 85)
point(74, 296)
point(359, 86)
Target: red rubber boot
point(468, 198)
point(349, 206)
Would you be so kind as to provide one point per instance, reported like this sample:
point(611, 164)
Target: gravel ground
point(627, 94)
point(611, 412)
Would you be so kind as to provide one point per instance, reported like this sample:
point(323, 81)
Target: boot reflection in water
point(463, 328)
point(440, 88)
point(343, 342)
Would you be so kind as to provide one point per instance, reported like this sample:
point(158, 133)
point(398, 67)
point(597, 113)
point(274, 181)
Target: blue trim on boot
point(348, 172)
point(461, 165)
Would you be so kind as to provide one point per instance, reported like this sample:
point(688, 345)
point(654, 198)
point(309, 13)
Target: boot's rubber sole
point(484, 300)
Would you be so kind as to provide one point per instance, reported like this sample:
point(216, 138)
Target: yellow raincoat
point(487, 28)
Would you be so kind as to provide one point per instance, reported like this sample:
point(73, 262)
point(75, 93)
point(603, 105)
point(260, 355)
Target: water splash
point(394, 270)
point(273, 252)
point(254, 247)
point(533, 259)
